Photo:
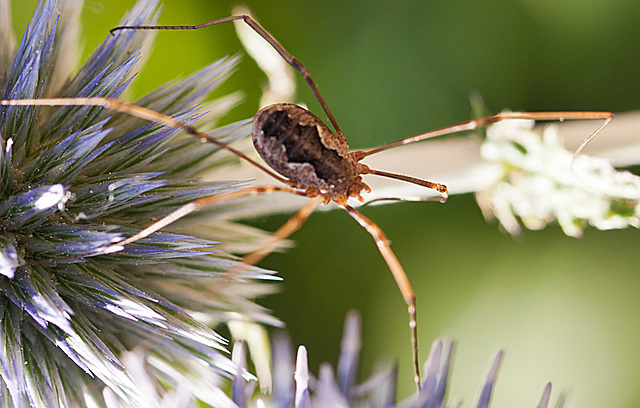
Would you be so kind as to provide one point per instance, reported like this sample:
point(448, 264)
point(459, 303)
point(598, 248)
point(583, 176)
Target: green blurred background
point(565, 310)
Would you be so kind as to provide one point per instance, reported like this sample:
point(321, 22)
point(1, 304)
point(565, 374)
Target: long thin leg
point(292, 225)
point(400, 277)
point(441, 188)
point(400, 199)
point(197, 205)
point(476, 123)
point(179, 213)
point(142, 113)
point(269, 38)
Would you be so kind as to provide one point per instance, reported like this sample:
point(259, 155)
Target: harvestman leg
point(200, 203)
point(192, 207)
point(142, 113)
point(269, 38)
point(398, 274)
point(292, 225)
point(401, 199)
point(488, 120)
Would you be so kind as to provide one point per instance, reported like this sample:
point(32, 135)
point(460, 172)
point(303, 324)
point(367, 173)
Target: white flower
point(541, 182)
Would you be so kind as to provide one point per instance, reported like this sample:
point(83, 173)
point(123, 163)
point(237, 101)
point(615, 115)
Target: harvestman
point(305, 155)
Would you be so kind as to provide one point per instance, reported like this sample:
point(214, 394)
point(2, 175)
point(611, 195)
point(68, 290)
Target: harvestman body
point(304, 154)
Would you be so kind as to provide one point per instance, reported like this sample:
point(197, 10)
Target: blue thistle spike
point(32, 208)
point(9, 259)
point(6, 166)
point(485, 393)
point(349, 353)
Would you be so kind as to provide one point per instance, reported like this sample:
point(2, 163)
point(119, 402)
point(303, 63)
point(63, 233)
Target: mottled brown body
point(297, 144)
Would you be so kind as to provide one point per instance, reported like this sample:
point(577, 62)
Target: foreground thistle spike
point(295, 386)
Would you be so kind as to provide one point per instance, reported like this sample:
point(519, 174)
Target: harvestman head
point(309, 159)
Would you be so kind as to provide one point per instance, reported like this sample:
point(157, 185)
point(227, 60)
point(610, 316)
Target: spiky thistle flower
point(76, 179)
point(303, 390)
